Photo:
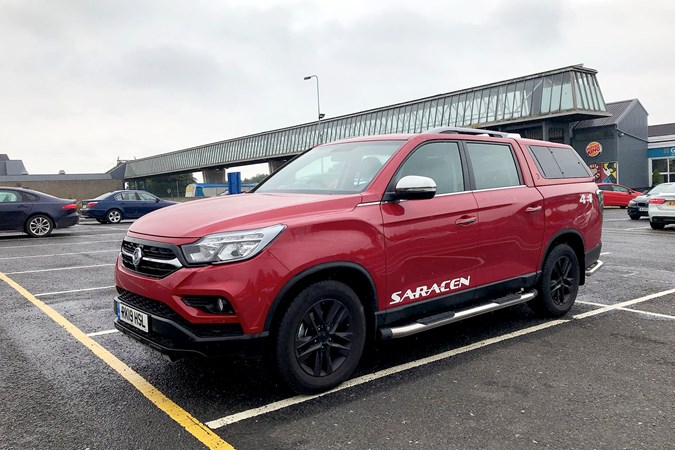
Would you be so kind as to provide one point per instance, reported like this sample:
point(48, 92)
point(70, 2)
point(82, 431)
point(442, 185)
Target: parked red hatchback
point(617, 195)
point(370, 237)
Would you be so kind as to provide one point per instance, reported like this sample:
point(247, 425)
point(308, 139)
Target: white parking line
point(74, 290)
point(101, 333)
point(244, 415)
point(638, 228)
point(648, 313)
point(61, 254)
point(58, 268)
point(605, 253)
point(64, 243)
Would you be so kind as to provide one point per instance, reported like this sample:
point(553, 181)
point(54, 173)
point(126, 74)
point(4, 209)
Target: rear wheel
point(656, 226)
point(113, 216)
point(39, 226)
point(634, 216)
point(320, 338)
point(559, 283)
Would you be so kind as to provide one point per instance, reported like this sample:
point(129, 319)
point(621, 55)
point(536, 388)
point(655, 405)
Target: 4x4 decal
point(424, 291)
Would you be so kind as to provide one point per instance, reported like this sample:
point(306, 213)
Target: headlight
point(632, 203)
point(232, 246)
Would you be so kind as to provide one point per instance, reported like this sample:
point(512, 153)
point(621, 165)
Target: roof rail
point(464, 130)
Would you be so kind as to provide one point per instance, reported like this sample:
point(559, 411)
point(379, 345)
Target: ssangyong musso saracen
point(379, 237)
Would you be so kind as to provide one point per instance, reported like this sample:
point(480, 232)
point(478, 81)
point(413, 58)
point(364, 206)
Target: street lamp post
point(318, 103)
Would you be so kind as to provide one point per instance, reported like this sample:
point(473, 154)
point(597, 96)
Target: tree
point(256, 179)
point(161, 184)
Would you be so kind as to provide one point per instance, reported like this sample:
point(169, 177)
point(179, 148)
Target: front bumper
point(176, 338)
point(635, 211)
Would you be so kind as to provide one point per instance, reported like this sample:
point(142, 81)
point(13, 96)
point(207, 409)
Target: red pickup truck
point(365, 238)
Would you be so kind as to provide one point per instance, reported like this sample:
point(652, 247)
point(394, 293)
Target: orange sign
point(593, 149)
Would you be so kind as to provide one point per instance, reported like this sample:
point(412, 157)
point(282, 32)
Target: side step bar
point(438, 320)
point(590, 270)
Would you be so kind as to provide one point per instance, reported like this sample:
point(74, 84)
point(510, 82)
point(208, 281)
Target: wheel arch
point(353, 275)
point(575, 240)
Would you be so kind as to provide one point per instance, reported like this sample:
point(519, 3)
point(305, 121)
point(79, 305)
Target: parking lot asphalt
point(602, 377)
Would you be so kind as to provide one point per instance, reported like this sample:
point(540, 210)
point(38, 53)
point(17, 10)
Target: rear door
point(510, 214)
point(431, 244)
point(128, 202)
point(14, 210)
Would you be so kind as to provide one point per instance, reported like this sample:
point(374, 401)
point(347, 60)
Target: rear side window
point(493, 165)
point(557, 162)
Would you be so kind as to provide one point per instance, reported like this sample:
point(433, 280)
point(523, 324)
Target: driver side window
point(439, 161)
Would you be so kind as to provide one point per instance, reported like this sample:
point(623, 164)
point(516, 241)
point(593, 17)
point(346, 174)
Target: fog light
point(213, 305)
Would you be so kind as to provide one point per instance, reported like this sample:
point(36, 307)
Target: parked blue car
point(113, 207)
point(35, 213)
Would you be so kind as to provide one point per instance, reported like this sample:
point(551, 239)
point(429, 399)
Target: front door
point(13, 210)
point(431, 244)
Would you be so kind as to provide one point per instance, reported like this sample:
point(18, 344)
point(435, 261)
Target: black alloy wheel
point(320, 338)
point(324, 339)
point(558, 284)
point(562, 280)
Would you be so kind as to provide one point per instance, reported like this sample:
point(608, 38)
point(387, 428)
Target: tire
point(39, 226)
point(113, 216)
point(656, 226)
point(623, 207)
point(634, 216)
point(559, 283)
point(324, 320)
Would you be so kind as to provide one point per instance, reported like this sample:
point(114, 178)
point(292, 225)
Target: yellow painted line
point(178, 414)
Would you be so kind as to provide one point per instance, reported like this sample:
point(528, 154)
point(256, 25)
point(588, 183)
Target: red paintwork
point(402, 245)
point(614, 198)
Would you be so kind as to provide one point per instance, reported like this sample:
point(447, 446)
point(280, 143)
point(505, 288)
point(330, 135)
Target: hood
point(199, 218)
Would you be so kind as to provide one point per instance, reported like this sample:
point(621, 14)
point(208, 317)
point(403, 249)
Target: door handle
point(466, 220)
point(533, 209)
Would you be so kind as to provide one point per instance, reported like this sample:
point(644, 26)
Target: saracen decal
point(424, 291)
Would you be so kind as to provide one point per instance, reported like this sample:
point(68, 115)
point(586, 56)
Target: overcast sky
point(83, 82)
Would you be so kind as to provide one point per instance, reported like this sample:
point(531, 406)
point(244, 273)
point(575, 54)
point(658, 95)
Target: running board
point(590, 270)
point(438, 320)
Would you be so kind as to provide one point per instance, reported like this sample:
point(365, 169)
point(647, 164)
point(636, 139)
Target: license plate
point(133, 317)
point(643, 209)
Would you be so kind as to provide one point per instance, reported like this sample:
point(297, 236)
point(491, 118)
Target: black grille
point(157, 269)
point(163, 310)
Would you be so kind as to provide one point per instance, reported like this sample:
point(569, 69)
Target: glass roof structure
point(567, 94)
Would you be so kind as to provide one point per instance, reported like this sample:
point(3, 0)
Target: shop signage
point(593, 149)
point(661, 152)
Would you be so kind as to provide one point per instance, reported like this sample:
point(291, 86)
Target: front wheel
point(39, 226)
point(656, 226)
point(320, 338)
point(114, 216)
point(559, 283)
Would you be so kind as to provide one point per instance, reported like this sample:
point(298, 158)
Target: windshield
point(333, 169)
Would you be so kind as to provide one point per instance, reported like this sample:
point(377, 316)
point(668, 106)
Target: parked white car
point(662, 208)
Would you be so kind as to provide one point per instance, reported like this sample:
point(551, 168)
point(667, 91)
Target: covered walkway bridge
point(539, 106)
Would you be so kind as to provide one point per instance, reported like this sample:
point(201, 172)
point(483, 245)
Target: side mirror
point(414, 187)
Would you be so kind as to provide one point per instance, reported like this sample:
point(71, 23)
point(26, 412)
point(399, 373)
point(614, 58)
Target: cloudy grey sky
point(83, 82)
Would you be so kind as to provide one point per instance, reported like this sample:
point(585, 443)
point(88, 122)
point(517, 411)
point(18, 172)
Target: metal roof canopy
point(571, 92)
